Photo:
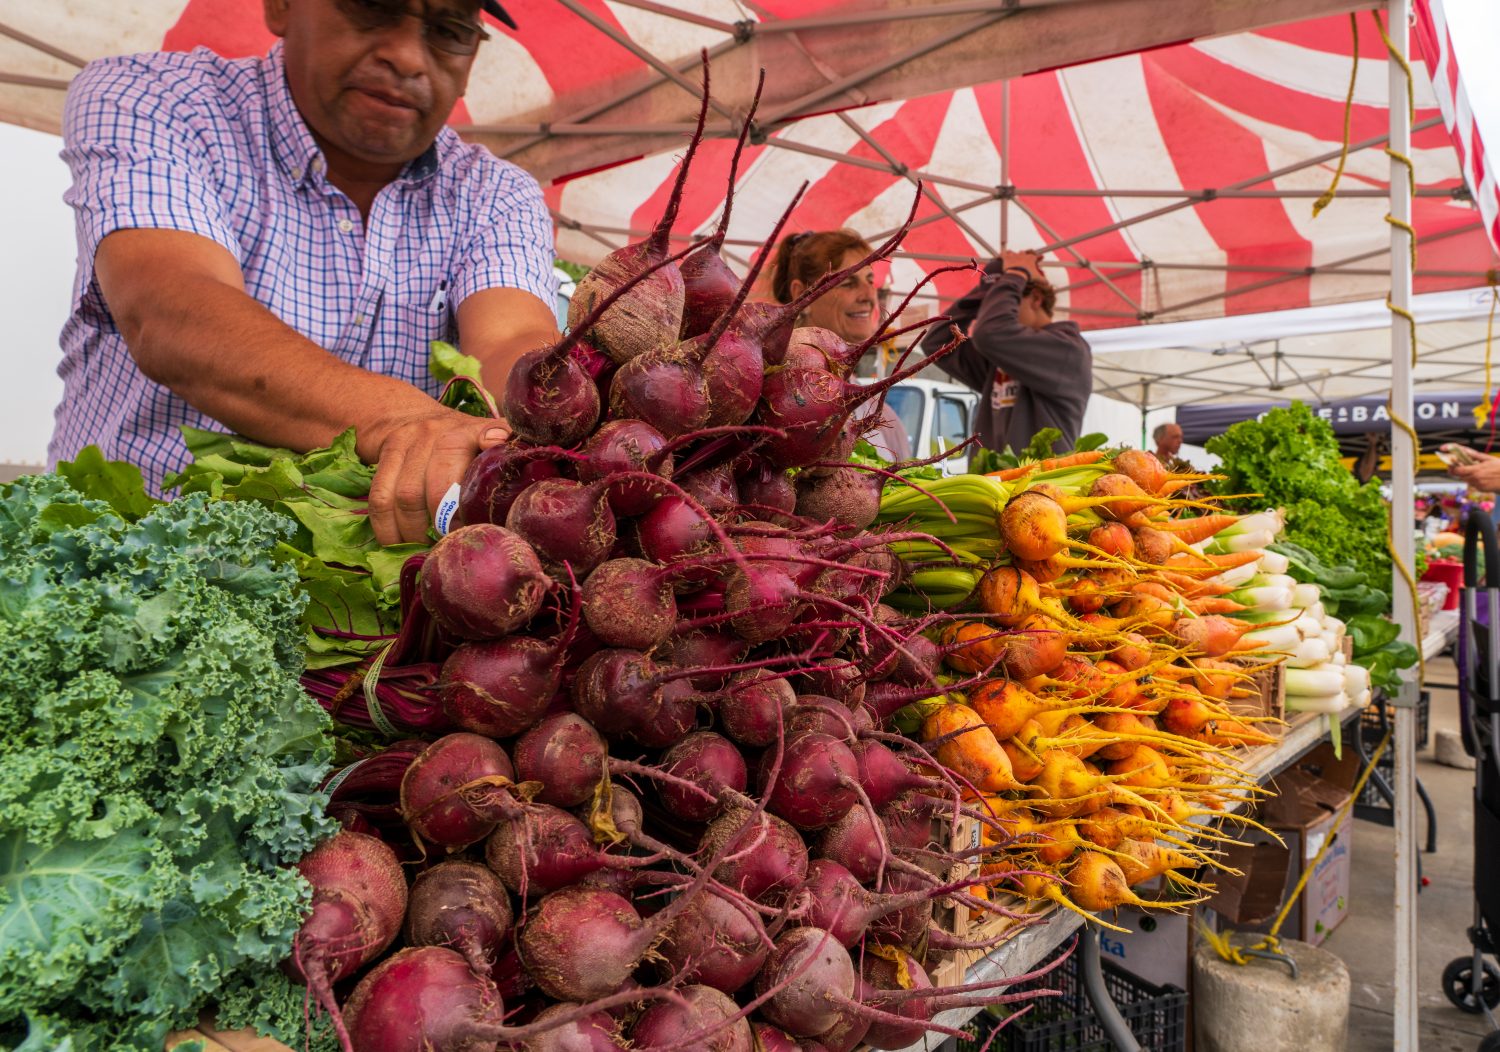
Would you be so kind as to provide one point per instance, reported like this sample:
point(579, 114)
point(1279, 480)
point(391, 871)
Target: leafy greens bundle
point(161, 764)
point(1290, 459)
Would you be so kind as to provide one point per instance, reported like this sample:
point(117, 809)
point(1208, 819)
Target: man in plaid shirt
point(267, 246)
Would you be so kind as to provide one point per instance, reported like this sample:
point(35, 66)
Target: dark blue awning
point(1353, 416)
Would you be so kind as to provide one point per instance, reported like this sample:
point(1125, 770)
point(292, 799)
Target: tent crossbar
point(37, 44)
point(1242, 184)
point(25, 81)
point(677, 14)
point(665, 70)
point(898, 14)
point(1266, 268)
point(990, 192)
point(816, 98)
point(588, 113)
point(1255, 286)
point(927, 191)
point(1047, 229)
point(1204, 196)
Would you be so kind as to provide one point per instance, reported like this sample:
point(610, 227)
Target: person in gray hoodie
point(1031, 372)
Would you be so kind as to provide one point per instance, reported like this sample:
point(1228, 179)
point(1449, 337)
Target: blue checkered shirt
point(216, 147)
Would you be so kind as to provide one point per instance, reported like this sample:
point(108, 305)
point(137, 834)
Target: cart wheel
point(1458, 986)
point(1490, 1043)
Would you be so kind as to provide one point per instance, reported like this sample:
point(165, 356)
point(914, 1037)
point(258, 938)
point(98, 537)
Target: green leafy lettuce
point(351, 583)
point(1289, 459)
point(161, 763)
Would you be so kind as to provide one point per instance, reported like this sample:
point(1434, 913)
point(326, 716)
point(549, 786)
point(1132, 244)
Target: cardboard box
point(1309, 797)
point(1158, 948)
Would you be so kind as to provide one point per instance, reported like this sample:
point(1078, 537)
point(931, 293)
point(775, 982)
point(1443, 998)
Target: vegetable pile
point(161, 764)
point(1111, 639)
point(626, 776)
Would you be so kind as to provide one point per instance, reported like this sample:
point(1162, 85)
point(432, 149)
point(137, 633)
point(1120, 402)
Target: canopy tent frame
point(654, 110)
point(614, 237)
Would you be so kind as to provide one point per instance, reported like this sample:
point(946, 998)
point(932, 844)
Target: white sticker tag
point(447, 507)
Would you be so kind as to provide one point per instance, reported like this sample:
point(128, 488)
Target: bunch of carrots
point(1090, 625)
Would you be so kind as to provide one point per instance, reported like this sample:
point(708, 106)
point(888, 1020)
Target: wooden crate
point(224, 1041)
point(1264, 695)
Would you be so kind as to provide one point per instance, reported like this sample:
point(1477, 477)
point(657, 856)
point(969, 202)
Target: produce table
point(1442, 630)
point(1032, 944)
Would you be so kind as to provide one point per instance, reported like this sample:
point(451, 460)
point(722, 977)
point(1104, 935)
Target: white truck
point(936, 414)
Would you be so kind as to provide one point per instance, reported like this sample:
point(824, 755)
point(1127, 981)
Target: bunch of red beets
point(651, 799)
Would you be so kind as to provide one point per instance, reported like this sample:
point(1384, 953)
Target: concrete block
point(1448, 750)
point(1259, 1005)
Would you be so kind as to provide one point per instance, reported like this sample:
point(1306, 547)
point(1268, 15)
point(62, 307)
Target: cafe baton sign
point(1352, 416)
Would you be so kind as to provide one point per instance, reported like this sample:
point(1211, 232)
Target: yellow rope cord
point(1327, 198)
point(1220, 941)
point(1482, 410)
point(1400, 60)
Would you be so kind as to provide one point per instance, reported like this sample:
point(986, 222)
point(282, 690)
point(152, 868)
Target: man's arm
point(180, 303)
point(497, 326)
point(1029, 355)
point(961, 364)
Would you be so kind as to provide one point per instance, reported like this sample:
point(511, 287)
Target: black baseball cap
point(494, 8)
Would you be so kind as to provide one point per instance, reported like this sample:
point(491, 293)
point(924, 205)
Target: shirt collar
point(297, 151)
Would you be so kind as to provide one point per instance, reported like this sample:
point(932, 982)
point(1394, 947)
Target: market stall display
point(681, 530)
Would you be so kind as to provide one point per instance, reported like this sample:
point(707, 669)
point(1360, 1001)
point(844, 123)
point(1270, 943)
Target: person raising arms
point(1030, 372)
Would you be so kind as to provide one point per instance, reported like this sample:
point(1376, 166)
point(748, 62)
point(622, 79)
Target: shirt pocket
point(403, 337)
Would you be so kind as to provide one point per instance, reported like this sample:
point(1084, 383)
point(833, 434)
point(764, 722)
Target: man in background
point(1168, 439)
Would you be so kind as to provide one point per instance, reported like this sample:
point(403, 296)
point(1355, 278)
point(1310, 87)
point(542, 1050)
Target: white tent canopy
point(1316, 355)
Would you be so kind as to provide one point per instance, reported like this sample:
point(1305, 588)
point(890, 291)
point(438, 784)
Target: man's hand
point(1484, 474)
point(1029, 261)
point(416, 460)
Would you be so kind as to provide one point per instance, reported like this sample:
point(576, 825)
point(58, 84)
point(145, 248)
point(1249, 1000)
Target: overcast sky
point(37, 258)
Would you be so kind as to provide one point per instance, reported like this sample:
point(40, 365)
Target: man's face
point(1171, 440)
point(1031, 313)
point(378, 95)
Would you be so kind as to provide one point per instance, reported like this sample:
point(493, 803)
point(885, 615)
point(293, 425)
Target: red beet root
point(672, 1024)
point(461, 905)
point(454, 792)
point(708, 760)
point(482, 582)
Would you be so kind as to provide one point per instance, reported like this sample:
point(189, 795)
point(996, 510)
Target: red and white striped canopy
point(1172, 181)
point(1436, 43)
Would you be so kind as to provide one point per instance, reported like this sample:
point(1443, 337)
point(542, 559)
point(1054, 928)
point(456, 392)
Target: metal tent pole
point(1403, 467)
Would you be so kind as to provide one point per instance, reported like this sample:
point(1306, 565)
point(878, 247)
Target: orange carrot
point(968, 746)
point(1191, 531)
point(1073, 460)
point(1183, 562)
point(1011, 474)
point(1215, 604)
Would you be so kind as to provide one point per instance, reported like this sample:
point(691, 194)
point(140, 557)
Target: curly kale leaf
point(162, 763)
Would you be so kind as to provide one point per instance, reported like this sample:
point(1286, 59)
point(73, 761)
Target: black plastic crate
point(1157, 1015)
point(1373, 722)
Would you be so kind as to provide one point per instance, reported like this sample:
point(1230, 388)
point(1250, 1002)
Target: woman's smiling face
point(849, 309)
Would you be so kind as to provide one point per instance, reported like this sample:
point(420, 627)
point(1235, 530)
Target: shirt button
point(296, 173)
point(359, 319)
point(345, 226)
